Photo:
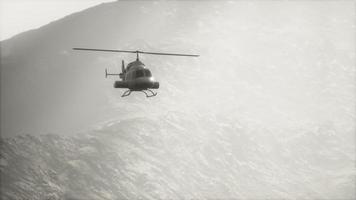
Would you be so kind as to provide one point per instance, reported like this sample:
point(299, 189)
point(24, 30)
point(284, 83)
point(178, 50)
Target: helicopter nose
point(146, 84)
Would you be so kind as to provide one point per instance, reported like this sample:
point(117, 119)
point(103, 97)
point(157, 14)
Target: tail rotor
point(112, 74)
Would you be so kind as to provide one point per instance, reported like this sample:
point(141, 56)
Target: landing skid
point(151, 93)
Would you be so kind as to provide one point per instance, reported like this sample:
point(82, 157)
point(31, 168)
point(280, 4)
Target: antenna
point(137, 52)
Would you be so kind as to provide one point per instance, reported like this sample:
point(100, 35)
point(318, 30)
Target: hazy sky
point(17, 16)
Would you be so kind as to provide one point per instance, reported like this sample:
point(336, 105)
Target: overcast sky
point(17, 16)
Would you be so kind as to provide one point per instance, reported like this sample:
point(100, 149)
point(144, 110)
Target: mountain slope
point(291, 66)
point(171, 157)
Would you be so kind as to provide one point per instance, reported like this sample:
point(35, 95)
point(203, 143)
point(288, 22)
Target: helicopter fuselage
point(137, 77)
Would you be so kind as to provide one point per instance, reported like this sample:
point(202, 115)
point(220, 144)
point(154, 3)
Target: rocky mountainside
point(175, 157)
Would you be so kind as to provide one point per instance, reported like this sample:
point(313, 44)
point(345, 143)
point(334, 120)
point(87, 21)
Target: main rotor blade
point(168, 54)
point(107, 50)
point(142, 52)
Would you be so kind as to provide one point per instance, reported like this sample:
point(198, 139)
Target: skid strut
point(150, 94)
point(126, 93)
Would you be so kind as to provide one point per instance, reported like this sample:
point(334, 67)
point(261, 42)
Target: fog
point(266, 111)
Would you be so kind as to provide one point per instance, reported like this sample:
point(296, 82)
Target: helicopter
point(135, 76)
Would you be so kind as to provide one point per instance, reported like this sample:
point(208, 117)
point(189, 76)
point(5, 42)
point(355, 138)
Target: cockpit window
point(142, 73)
point(139, 73)
point(147, 73)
